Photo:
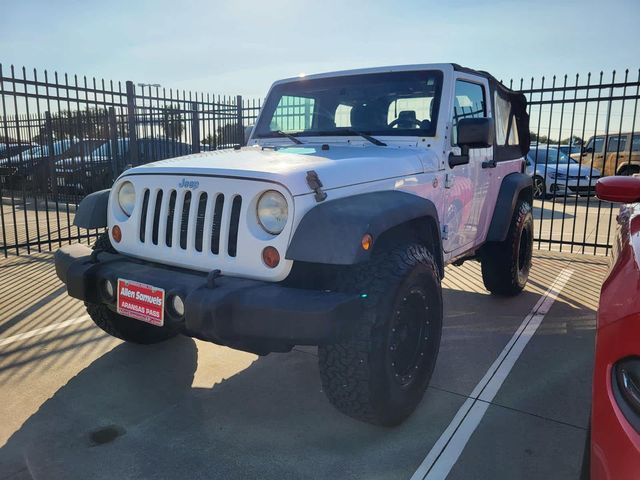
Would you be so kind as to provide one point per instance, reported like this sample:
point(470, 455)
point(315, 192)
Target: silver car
point(555, 173)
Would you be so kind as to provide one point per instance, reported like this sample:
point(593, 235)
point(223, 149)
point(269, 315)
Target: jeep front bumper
point(245, 314)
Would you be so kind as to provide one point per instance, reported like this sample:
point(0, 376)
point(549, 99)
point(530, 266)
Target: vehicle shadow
point(133, 413)
point(121, 390)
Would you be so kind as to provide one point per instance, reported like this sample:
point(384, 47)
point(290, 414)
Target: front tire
point(380, 374)
point(506, 265)
point(119, 326)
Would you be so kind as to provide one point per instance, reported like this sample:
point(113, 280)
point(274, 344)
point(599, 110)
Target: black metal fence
point(582, 128)
point(62, 137)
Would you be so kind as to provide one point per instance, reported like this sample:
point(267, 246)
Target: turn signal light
point(270, 257)
point(367, 241)
point(116, 233)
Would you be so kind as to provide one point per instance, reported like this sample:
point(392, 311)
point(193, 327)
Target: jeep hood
point(337, 167)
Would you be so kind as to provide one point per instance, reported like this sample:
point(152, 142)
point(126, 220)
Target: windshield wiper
point(371, 139)
point(289, 136)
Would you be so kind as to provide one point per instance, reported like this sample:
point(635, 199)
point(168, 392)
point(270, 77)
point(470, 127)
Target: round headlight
point(127, 198)
point(272, 212)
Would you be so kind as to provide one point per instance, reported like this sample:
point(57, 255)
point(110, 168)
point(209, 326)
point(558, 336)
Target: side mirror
point(618, 189)
point(586, 151)
point(472, 133)
point(476, 132)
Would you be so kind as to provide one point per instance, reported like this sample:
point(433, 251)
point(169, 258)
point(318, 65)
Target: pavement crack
point(541, 417)
point(458, 394)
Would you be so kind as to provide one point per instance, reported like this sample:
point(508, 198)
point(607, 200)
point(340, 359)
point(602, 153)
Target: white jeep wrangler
point(331, 228)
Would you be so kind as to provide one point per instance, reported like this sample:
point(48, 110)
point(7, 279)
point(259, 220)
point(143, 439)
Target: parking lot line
point(43, 330)
point(447, 449)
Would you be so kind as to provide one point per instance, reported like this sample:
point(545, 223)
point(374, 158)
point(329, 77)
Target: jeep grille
point(178, 219)
point(209, 225)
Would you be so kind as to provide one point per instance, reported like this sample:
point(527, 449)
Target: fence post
point(51, 171)
point(131, 119)
point(195, 129)
point(113, 138)
point(240, 128)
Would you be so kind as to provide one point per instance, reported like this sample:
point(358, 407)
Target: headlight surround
point(272, 212)
point(127, 198)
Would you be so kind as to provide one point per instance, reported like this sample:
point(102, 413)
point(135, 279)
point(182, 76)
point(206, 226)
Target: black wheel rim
point(525, 251)
point(410, 336)
point(538, 187)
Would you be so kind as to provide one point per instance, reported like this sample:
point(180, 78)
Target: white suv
point(331, 228)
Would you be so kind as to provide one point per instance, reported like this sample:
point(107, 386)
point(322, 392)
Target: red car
point(615, 417)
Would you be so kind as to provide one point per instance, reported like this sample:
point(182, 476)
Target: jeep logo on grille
point(188, 183)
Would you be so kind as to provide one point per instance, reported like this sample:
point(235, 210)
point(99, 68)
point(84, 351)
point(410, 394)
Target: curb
point(18, 201)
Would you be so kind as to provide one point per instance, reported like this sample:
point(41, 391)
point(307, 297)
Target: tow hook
point(211, 278)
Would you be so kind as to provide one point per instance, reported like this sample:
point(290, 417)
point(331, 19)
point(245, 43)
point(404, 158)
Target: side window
point(539, 155)
point(514, 139)
point(616, 144)
point(635, 143)
point(293, 114)
point(506, 122)
point(469, 102)
point(598, 144)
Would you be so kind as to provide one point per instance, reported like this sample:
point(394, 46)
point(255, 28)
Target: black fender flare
point(92, 211)
point(331, 232)
point(514, 186)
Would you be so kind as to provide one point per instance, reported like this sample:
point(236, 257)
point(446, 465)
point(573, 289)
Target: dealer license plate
point(141, 301)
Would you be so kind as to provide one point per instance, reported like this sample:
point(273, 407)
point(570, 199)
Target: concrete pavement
point(80, 404)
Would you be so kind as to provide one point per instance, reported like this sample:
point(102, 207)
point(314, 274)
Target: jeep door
point(467, 186)
point(593, 153)
point(622, 155)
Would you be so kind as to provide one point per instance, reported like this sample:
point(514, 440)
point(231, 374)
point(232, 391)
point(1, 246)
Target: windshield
point(397, 103)
point(552, 156)
point(84, 148)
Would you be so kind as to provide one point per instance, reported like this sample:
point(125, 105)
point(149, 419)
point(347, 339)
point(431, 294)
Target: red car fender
point(615, 444)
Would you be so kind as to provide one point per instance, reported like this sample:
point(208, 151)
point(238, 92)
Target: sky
point(241, 47)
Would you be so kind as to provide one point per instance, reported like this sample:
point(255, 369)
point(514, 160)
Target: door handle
point(489, 164)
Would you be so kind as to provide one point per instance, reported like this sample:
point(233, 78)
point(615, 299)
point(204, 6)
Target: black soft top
point(518, 110)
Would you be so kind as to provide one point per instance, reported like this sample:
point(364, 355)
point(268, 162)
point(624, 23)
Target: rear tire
point(629, 170)
point(119, 326)
point(506, 265)
point(380, 374)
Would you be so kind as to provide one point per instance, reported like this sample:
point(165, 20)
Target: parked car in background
point(569, 149)
point(8, 150)
point(91, 165)
point(614, 448)
point(555, 173)
point(621, 156)
point(10, 177)
point(35, 161)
